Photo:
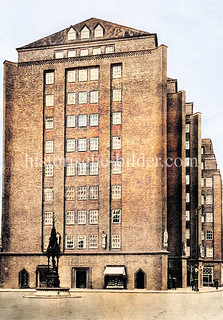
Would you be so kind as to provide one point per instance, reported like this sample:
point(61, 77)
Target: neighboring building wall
point(212, 215)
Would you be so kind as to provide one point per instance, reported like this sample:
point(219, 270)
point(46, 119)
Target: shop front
point(115, 277)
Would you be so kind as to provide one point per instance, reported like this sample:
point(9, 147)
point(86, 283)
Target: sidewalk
point(136, 291)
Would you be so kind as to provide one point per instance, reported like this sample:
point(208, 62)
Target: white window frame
point(81, 193)
point(71, 121)
point(94, 144)
point(93, 193)
point(117, 95)
point(187, 179)
point(96, 51)
point(49, 170)
point(116, 143)
point(188, 197)
point(82, 120)
point(209, 182)
point(49, 146)
point(187, 128)
point(82, 144)
point(209, 217)
point(93, 216)
point(116, 118)
point(209, 252)
point(116, 241)
point(110, 49)
point(70, 217)
point(70, 193)
point(82, 97)
point(116, 72)
point(93, 241)
point(187, 145)
point(71, 145)
point(94, 119)
point(209, 199)
point(49, 100)
point(116, 192)
point(94, 74)
point(85, 33)
point(81, 239)
point(98, 31)
point(70, 170)
point(84, 52)
point(116, 167)
point(116, 216)
point(187, 215)
point(49, 122)
point(81, 168)
point(202, 182)
point(59, 54)
point(71, 35)
point(48, 194)
point(71, 98)
point(71, 53)
point(94, 96)
point(69, 242)
point(49, 77)
point(93, 168)
point(81, 217)
point(48, 218)
point(71, 76)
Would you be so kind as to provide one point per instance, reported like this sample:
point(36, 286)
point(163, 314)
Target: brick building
point(90, 121)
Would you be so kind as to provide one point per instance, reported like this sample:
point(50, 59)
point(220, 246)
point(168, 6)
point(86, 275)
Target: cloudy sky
point(192, 30)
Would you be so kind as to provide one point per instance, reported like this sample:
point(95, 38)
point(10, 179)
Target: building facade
point(93, 127)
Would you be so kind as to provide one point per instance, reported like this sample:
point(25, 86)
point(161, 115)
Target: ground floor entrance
point(80, 278)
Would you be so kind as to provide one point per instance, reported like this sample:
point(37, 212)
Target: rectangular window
point(116, 167)
point(49, 146)
point(187, 197)
point(49, 77)
point(70, 169)
point(69, 242)
point(116, 143)
point(94, 97)
point(93, 193)
point(116, 72)
point(202, 182)
point(187, 128)
point(82, 193)
point(71, 121)
point(71, 145)
point(117, 95)
point(69, 217)
point(93, 241)
point(71, 98)
point(70, 193)
point(48, 194)
point(202, 218)
point(187, 179)
point(187, 145)
point(82, 144)
point(49, 100)
point(187, 162)
point(93, 168)
point(187, 215)
point(48, 218)
point(209, 217)
point(116, 216)
point(49, 170)
point(83, 75)
point(209, 235)
point(82, 169)
point(116, 192)
point(81, 244)
point(94, 74)
point(93, 144)
point(48, 123)
point(82, 97)
point(209, 252)
point(96, 51)
point(71, 76)
point(58, 54)
point(84, 52)
point(202, 235)
point(71, 53)
point(81, 217)
point(94, 120)
point(93, 216)
point(110, 49)
point(116, 242)
point(209, 182)
point(209, 199)
point(116, 118)
point(202, 165)
point(82, 120)
point(202, 199)
point(202, 150)
point(187, 233)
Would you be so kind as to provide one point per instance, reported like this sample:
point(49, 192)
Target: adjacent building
point(98, 138)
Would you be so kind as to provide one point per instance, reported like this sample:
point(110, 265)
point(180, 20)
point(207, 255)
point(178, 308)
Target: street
point(113, 306)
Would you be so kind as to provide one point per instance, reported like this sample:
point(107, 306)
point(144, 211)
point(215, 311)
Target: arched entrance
point(23, 279)
point(140, 279)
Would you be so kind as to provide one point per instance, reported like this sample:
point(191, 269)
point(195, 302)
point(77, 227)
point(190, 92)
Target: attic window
point(85, 33)
point(98, 32)
point(71, 34)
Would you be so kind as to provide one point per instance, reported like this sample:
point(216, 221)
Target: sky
point(192, 30)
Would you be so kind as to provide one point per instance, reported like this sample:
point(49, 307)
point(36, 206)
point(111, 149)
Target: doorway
point(140, 278)
point(80, 278)
point(23, 279)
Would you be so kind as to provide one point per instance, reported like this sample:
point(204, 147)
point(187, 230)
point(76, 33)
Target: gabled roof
point(111, 30)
